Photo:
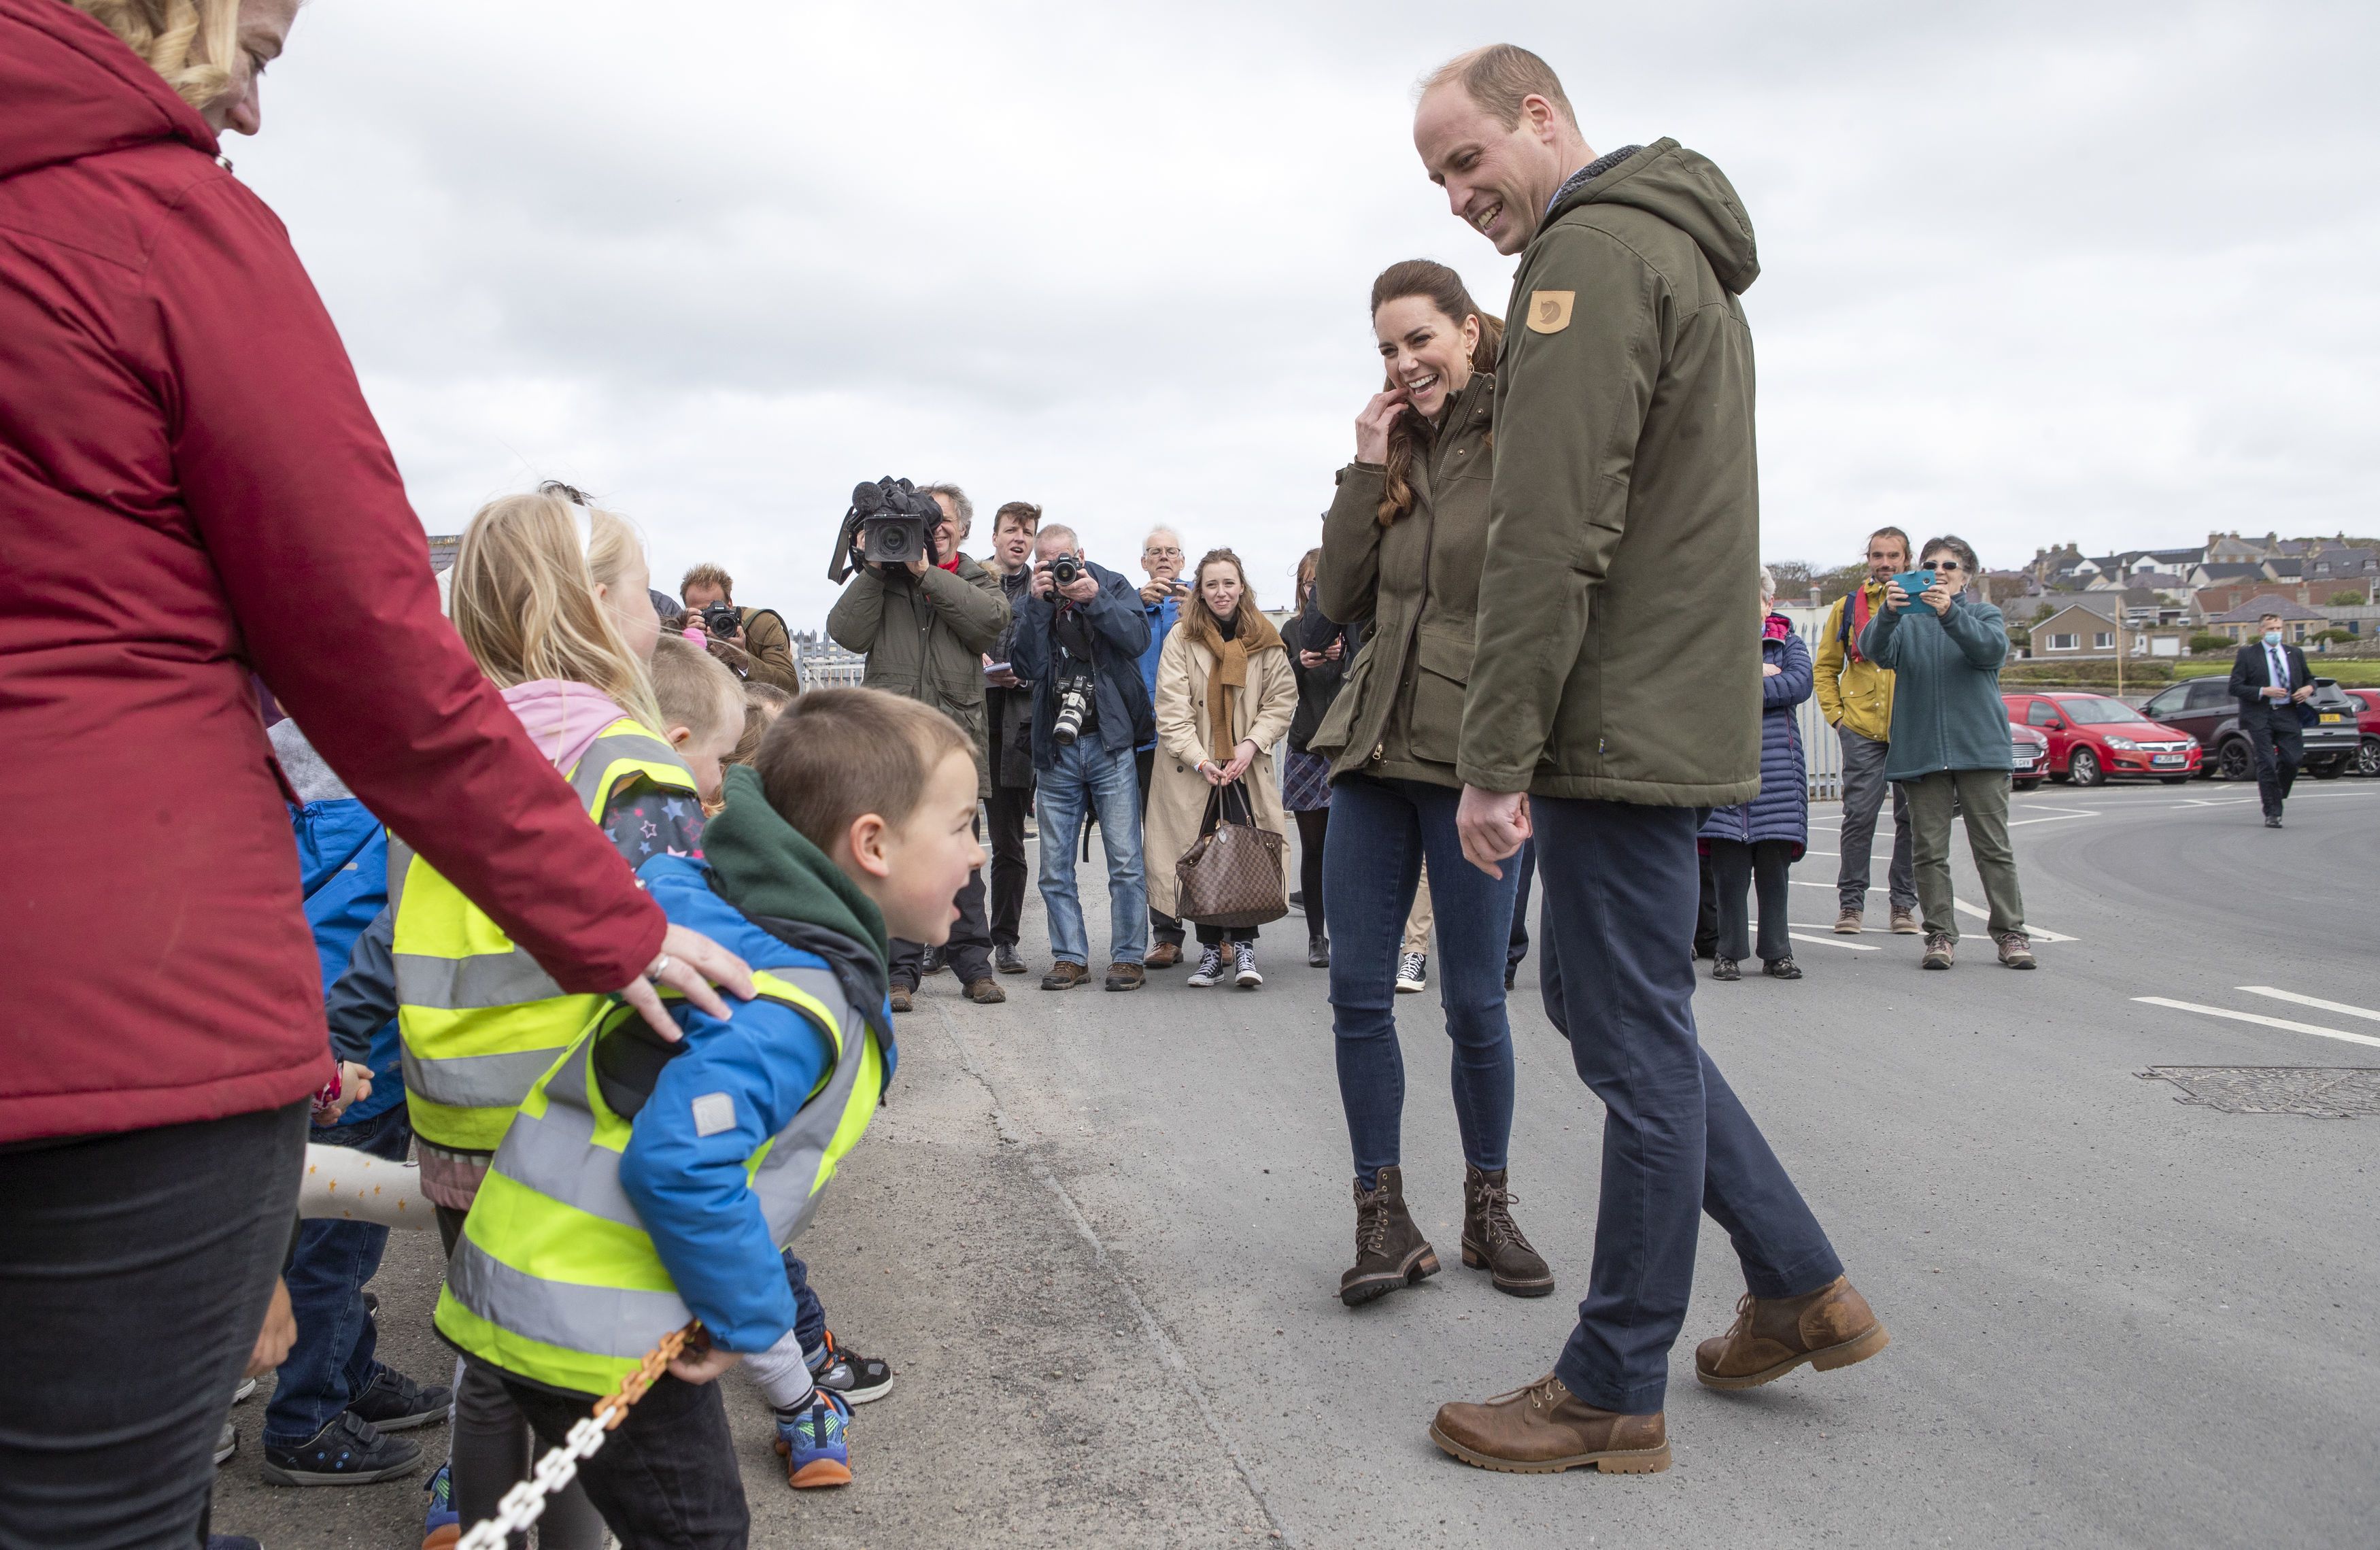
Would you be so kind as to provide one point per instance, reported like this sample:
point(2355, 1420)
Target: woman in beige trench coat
point(1224, 697)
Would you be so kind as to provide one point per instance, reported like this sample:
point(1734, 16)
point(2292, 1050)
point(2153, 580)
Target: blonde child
point(703, 712)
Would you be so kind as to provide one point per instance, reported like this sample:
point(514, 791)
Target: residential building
point(2244, 623)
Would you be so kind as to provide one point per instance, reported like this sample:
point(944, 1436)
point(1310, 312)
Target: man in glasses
point(1856, 697)
point(1160, 600)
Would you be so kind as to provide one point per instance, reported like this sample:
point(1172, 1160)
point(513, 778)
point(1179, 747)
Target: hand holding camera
point(1067, 575)
point(890, 526)
point(722, 622)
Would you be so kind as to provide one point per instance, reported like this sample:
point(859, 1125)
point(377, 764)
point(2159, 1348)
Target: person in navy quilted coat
point(1756, 841)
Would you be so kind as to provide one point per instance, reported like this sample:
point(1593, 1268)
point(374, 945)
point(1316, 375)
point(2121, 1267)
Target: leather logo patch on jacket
point(1549, 310)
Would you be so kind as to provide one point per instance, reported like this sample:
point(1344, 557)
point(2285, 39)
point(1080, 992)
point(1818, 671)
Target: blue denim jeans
point(1087, 775)
point(809, 1313)
point(1380, 830)
point(1618, 972)
point(333, 1359)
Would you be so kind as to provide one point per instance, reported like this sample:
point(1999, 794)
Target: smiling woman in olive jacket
point(1402, 549)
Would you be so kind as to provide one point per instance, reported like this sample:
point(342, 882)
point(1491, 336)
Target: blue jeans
point(333, 1359)
point(1380, 830)
point(1620, 882)
point(1088, 774)
point(809, 1313)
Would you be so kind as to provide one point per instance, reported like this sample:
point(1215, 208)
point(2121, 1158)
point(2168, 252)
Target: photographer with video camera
point(923, 615)
point(753, 643)
point(1079, 635)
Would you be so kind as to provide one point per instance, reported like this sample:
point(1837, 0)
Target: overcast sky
point(2098, 272)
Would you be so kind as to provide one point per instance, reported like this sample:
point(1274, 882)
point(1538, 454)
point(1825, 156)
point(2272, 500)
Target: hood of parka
point(73, 90)
point(1685, 188)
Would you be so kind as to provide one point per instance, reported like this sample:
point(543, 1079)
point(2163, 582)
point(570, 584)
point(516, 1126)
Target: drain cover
point(2316, 1092)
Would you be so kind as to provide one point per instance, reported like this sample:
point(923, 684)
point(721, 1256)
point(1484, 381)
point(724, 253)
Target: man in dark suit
point(2270, 681)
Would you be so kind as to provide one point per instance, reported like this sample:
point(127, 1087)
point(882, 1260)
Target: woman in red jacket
point(190, 487)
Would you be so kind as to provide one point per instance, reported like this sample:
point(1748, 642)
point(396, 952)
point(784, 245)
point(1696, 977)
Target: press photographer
point(753, 643)
point(1079, 635)
point(923, 615)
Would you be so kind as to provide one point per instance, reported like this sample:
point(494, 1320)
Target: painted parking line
point(2316, 1002)
point(2057, 817)
point(2258, 1019)
point(1832, 941)
point(2039, 933)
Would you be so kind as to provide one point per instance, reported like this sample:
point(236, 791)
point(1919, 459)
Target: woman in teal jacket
point(1950, 742)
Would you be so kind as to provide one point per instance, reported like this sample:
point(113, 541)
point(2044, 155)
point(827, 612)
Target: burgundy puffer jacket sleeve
point(288, 482)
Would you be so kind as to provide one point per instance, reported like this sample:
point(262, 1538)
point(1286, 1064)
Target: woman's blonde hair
point(191, 42)
point(525, 603)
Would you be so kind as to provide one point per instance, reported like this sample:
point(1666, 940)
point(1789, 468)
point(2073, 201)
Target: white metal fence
point(824, 664)
point(1821, 750)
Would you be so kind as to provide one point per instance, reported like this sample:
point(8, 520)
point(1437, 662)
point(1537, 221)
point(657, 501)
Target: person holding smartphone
point(1949, 746)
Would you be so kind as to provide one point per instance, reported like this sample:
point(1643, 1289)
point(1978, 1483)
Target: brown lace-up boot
point(1827, 1328)
point(1390, 1250)
point(1494, 1242)
point(1545, 1428)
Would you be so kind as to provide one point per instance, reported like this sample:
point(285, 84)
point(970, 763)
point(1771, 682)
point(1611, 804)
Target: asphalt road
point(1099, 1236)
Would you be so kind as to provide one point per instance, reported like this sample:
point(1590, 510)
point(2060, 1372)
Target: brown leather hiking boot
point(1066, 974)
point(1126, 976)
point(1849, 922)
point(1165, 955)
point(1494, 1242)
point(1904, 922)
point(1545, 1428)
point(1390, 1250)
point(898, 996)
point(1827, 1328)
point(1941, 952)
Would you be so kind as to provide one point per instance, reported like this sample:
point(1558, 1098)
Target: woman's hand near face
point(1373, 425)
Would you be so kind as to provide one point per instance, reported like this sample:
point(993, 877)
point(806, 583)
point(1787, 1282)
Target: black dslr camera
point(721, 620)
point(1065, 569)
point(1076, 694)
point(889, 524)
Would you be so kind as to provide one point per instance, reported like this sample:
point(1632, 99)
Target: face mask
point(2272, 637)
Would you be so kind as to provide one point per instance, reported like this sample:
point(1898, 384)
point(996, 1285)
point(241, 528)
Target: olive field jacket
point(925, 638)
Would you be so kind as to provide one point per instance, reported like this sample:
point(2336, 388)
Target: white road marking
point(1854, 946)
point(2039, 933)
point(2259, 1020)
point(2053, 818)
point(2316, 1002)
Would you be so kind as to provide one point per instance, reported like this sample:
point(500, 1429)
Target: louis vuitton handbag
point(1232, 874)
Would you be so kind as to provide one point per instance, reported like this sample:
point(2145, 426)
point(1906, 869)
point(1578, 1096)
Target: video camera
point(889, 523)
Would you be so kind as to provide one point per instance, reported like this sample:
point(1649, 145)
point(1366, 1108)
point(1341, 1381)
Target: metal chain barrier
point(525, 1503)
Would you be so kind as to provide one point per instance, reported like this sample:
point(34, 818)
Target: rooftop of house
point(2268, 602)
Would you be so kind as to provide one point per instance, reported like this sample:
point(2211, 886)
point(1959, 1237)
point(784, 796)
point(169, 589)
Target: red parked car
point(2367, 721)
point(2029, 756)
point(2094, 737)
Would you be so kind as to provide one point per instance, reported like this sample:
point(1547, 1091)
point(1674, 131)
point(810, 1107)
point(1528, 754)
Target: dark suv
point(2205, 709)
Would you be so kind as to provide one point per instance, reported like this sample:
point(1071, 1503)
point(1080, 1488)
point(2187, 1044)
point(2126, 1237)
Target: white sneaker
point(1244, 963)
point(1210, 968)
point(246, 1387)
point(1412, 973)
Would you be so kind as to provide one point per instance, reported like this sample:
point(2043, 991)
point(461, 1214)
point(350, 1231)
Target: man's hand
point(732, 653)
point(1373, 425)
point(691, 964)
point(1311, 659)
point(280, 1333)
point(2274, 693)
point(1082, 588)
point(1770, 670)
point(916, 567)
point(2305, 694)
point(1156, 590)
point(1494, 825)
point(1041, 585)
point(1005, 678)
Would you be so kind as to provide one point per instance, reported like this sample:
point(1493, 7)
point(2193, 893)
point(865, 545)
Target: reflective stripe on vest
point(479, 1020)
point(555, 1279)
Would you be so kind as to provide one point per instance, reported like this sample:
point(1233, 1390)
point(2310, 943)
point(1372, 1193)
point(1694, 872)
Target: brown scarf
point(1229, 677)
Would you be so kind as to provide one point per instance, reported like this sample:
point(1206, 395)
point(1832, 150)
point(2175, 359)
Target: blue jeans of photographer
point(1380, 830)
point(333, 1359)
point(1086, 776)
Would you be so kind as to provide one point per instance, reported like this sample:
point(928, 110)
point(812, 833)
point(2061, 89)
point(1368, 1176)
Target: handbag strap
point(1218, 811)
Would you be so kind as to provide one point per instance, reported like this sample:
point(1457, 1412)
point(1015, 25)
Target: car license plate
point(2329, 716)
point(2167, 758)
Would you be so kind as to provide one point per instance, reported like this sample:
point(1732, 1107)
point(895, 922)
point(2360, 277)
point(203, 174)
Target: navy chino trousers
point(1620, 882)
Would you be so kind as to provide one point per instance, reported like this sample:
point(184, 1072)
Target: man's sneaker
point(812, 1443)
point(246, 1387)
point(1904, 922)
point(1782, 969)
point(2015, 951)
point(1850, 921)
point(226, 1443)
point(858, 1378)
point(1726, 968)
point(1937, 952)
point(1244, 965)
point(932, 961)
point(349, 1451)
point(1412, 973)
point(441, 1526)
point(1004, 959)
point(395, 1403)
point(2272, 822)
point(1210, 968)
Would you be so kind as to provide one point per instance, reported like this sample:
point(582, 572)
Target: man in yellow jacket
point(1856, 696)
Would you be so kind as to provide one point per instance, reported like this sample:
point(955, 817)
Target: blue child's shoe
point(816, 1451)
point(441, 1526)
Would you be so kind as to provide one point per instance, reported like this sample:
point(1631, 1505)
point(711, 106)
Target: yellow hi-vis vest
point(555, 1279)
point(478, 1019)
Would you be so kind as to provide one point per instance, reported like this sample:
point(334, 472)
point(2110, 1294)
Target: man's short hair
point(2262, 618)
point(1498, 77)
point(1153, 533)
point(1024, 514)
point(1891, 532)
point(709, 575)
point(693, 688)
point(837, 753)
point(1059, 529)
point(960, 504)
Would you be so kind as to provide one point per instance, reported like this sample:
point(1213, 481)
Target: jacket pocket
point(1444, 664)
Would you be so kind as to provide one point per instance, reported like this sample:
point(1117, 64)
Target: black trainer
point(858, 1378)
point(395, 1403)
point(349, 1451)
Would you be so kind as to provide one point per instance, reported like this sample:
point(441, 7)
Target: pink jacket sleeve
point(323, 566)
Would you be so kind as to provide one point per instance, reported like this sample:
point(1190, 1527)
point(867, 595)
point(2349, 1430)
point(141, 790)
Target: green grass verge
point(2356, 672)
